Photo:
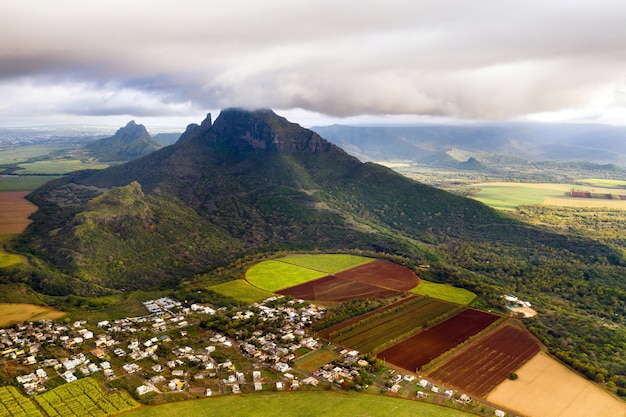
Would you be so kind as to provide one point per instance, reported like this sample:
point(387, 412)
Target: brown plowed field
point(332, 288)
point(418, 350)
point(374, 279)
point(14, 211)
point(488, 361)
point(382, 274)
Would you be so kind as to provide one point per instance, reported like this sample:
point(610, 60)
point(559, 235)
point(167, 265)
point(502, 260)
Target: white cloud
point(489, 59)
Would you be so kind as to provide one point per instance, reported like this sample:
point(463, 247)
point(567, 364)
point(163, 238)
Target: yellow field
point(546, 388)
point(18, 313)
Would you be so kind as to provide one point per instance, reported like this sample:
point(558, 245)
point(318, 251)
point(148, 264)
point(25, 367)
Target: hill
point(129, 142)
point(252, 182)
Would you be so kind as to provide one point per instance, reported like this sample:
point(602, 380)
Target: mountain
point(129, 142)
point(429, 144)
point(166, 139)
point(252, 181)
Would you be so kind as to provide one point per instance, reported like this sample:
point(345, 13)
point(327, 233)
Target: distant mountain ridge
point(129, 142)
point(429, 144)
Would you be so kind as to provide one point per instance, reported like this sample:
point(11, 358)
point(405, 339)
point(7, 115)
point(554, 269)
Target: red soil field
point(418, 350)
point(374, 279)
point(14, 211)
point(332, 288)
point(382, 274)
point(488, 361)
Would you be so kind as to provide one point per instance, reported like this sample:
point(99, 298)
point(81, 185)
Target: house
point(499, 413)
point(258, 386)
point(144, 389)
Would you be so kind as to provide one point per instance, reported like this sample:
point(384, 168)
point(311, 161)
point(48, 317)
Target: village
point(194, 351)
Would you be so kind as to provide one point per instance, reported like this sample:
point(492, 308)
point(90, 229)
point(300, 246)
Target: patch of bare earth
point(14, 211)
point(546, 388)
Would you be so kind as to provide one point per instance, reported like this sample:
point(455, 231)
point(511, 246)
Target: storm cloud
point(489, 60)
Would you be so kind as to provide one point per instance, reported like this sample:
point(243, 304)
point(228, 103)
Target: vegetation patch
point(84, 397)
point(14, 404)
point(392, 324)
point(276, 275)
point(444, 292)
point(18, 313)
point(329, 263)
point(241, 290)
point(316, 359)
point(298, 404)
point(8, 259)
point(58, 166)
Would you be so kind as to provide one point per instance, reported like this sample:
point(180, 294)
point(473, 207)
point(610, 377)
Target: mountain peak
point(263, 129)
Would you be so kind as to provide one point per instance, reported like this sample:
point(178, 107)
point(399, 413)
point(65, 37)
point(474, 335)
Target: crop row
point(14, 404)
point(378, 330)
point(83, 398)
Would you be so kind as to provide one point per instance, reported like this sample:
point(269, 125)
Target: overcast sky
point(170, 62)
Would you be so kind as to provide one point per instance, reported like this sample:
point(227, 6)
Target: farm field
point(14, 211)
point(379, 329)
point(418, 350)
point(241, 290)
point(84, 397)
point(275, 275)
point(13, 403)
point(58, 167)
point(329, 263)
point(488, 361)
point(546, 388)
point(300, 403)
point(444, 292)
point(17, 313)
point(334, 289)
point(509, 195)
point(23, 183)
point(383, 274)
point(315, 359)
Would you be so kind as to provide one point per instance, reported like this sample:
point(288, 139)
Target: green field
point(14, 404)
point(58, 167)
point(379, 329)
point(328, 404)
point(329, 263)
point(275, 275)
point(11, 155)
point(84, 397)
point(315, 359)
point(24, 183)
point(8, 259)
point(509, 196)
point(601, 182)
point(444, 292)
point(241, 290)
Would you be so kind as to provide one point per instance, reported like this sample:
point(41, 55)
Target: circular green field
point(278, 274)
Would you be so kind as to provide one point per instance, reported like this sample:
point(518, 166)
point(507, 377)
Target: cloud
point(488, 60)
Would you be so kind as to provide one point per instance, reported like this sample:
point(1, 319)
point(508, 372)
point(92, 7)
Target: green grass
point(303, 403)
point(241, 290)
point(509, 197)
point(286, 272)
point(600, 182)
point(315, 359)
point(24, 183)
point(57, 167)
point(444, 292)
point(329, 263)
point(8, 259)
point(13, 155)
point(275, 275)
